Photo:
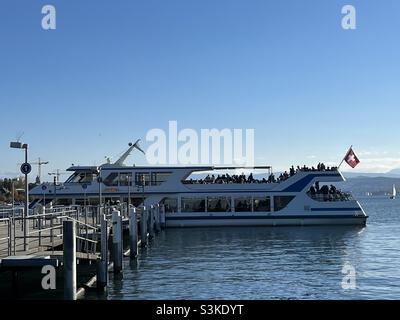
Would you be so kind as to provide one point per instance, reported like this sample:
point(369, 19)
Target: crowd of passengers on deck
point(242, 178)
point(327, 193)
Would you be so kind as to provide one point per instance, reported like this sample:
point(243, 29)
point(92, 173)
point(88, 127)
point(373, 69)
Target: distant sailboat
point(393, 196)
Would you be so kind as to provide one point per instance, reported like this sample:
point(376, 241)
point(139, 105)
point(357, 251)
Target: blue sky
point(112, 70)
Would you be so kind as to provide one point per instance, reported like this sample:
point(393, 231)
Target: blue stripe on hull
point(336, 209)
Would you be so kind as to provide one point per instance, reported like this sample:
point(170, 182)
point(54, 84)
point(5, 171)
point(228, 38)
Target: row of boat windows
point(224, 204)
point(141, 179)
point(123, 178)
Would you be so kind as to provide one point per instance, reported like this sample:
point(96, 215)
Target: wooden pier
point(66, 237)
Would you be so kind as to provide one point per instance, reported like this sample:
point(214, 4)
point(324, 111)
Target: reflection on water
point(269, 262)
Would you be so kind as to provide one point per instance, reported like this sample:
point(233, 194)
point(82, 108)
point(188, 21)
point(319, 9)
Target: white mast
point(122, 159)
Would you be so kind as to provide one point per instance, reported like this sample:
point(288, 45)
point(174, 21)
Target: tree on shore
point(8, 187)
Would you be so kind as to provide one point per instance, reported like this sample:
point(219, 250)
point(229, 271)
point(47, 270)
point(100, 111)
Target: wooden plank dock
point(97, 237)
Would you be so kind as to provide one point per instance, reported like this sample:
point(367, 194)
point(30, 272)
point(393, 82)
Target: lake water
point(270, 262)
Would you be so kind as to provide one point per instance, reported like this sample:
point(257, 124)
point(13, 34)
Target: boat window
point(170, 204)
point(81, 177)
point(158, 178)
point(280, 202)
point(261, 204)
point(193, 204)
point(243, 204)
point(125, 178)
point(218, 204)
point(71, 178)
point(111, 179)
point(142, 178)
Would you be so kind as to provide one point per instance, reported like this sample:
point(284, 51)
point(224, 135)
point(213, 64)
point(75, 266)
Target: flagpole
point(344, 157)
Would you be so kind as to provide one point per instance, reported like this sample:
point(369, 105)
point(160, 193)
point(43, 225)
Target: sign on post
point(26, 168)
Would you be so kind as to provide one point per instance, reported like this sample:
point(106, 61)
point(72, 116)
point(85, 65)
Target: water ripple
point(270, 263)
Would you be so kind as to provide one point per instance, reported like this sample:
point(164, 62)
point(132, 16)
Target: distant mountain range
point(395, 173)
point(362, 184)
point(370, 185)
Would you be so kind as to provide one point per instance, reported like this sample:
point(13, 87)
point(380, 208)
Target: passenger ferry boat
point(227, 200)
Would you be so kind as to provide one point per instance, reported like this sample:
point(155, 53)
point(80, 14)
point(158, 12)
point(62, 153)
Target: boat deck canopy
point(92, 169)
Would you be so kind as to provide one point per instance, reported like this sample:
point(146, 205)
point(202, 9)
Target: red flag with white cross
point(351, 158)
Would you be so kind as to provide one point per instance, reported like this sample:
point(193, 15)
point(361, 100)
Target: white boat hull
point(267, 220)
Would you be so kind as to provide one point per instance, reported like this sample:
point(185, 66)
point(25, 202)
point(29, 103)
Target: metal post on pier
point(117, 241)
point(102, 264)
point(69, 244)
point(143, 227)
point(41, 214)
point(52, 230)
point(86, 221)
point(133, 234)
point(25, 169)
point(10, 221)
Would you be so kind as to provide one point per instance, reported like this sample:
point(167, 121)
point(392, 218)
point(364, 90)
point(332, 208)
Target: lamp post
point(143, 183)
point(129, 190)
point(13, 198)
point(44, 188)
point(100, 180)
point(56, 180)
point(25, 169)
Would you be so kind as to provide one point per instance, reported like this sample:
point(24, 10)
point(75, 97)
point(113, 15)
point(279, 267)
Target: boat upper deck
point(121, 179)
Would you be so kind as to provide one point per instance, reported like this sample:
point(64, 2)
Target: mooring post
point(102, 265)
point(162, 216)
point(133, 234)
point(117, 240)
point(69, 244)
point(158, 219)
point(151, 222)
point(143, 227)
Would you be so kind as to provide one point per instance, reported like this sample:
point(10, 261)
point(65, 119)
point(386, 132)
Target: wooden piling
point(117, 241)
point(143, 227)
point(151, 222)
point(158, 218)
point(69, 245)
point(162, 216)
point(133, 233)
point(102, 264)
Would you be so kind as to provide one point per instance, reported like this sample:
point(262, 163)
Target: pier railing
point(5, 236)
point(11, 212)
point(44, 227)
point(73, 233)
point(44, 230)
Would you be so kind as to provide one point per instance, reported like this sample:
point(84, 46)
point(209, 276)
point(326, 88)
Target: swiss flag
point(351, 158)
